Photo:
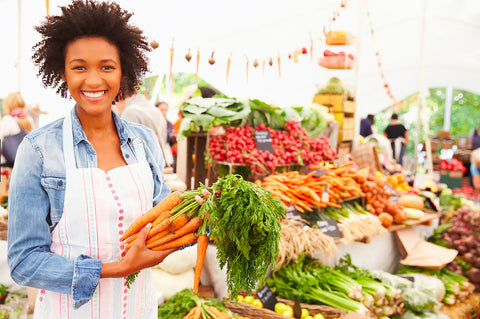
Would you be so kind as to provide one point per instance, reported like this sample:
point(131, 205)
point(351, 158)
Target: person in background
point(80, 181)
point(15, 119)
point(397, 134)
point(163, 107)
point(475, 169)
point(366, 125)
point(35, 111)
point(474, 138)
point(138, 109)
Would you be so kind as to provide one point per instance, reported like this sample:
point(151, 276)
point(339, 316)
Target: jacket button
point(127, 155)
point(60, 183)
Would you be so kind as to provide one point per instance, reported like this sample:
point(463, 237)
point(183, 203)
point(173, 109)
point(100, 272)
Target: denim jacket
point(36, 198)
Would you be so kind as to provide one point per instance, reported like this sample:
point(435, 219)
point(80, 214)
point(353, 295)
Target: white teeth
point(94, 94)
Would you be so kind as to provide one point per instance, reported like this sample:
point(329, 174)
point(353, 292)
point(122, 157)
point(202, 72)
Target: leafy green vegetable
point(245, 223)
point(177, 306)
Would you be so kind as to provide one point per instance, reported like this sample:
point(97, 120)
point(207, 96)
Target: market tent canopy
point(260, 30)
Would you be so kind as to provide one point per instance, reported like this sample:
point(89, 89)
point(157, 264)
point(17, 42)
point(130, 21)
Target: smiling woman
point(80, 181)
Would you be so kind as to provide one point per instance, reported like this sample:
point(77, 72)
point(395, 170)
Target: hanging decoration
point(212, 59)
point(188, 56)
point(229, 61)
point(47, 3)
point(247, 68)
point(279, 68)
point(263, 68)
point(198, 63)
point(386, 86)
point(171, 61)
point(154, 44)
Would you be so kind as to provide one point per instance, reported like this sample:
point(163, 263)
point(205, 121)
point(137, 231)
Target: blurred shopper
point(398, 137)
point(14, 126)
point(475, 169)
point(137, 109)
point(366, 125)
point(163, 107)
point(474, 138)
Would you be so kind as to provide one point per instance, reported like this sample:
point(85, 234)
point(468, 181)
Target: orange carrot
point(247, 71)
point(194, 313)
point(217, 313)
point(167, 224)
point(189, 238)
point(171, 63)
point(190, 227)
point(279, 68)
point(167, 203)
point(162, 216)
point(202, 244)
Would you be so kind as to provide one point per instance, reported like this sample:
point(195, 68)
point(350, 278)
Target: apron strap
point(68, 143)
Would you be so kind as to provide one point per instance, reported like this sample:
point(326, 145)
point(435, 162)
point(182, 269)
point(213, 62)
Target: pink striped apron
point(98, 208)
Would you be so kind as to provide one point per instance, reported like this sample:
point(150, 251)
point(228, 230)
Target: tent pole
point(19, 45)
point(356, 117)
point(448, 108)
point(421, 94)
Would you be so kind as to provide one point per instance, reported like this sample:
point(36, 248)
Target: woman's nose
point(93, 78)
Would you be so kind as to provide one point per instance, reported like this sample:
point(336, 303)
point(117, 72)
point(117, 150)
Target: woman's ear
point(63, 76)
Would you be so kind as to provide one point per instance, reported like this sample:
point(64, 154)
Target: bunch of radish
point(290, 146)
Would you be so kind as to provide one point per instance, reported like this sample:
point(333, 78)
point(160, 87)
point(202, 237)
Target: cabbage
point(429, 283)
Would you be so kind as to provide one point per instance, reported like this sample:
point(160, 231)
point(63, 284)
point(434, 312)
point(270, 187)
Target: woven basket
point(3, 229)
point(247, 310)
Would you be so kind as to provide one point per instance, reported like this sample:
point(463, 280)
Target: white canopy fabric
point(260, 30)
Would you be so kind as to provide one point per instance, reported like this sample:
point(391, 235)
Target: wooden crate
point(349, 106)
point(335, 100)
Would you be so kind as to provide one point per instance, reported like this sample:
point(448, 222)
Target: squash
point(411, 201)
point(413, 213)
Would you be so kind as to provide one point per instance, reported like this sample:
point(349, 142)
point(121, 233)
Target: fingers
point(205, 193)
point(142, 236)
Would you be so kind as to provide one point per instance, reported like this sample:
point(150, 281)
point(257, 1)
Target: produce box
point(345, 134)
point(349, 106)
point(453, 179)
point(348, 123)
point(329, 99)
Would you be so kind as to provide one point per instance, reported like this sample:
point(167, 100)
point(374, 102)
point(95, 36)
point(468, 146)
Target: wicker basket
point(3, 229)
point(248, 310)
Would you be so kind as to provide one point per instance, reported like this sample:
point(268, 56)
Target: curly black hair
point(88, 18)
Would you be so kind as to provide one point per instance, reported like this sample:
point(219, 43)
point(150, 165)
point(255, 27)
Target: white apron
point(98, 208)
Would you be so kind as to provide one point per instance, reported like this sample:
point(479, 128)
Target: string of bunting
point(379, 62)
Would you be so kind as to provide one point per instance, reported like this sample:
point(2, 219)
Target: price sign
point(265, 294)
point(330, 227)
point(291, 211)
point(264, 141)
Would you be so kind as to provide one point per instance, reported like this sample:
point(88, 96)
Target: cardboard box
point(421, 253)
point(335, 100)
point(349, 106)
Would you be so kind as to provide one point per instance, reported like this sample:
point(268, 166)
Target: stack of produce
point(457, 287)
point(355, 222)
point(297, 238)
point(304, 191)
point(343, 287)
point(244, 220)
point(291, 146)
point(398, 182)
point(462, 234)
point(378, 200)
point(186, 305)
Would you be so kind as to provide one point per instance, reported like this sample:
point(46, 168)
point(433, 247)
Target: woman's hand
point(140, 257)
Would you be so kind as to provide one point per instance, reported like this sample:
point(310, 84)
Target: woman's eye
point(78, 67)
point(108, 67)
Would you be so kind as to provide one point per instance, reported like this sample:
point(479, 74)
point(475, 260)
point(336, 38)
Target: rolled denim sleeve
point(86, 276)
point(29, 257)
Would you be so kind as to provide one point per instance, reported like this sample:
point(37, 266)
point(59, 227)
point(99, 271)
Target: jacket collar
point(123, 131)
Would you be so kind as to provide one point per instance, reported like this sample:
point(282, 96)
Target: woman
point(80, 181)
point(475, 169)
point(15, 121)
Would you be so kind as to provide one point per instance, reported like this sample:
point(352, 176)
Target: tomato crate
point(453, 179)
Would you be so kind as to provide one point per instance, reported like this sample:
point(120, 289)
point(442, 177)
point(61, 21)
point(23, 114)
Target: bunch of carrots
point(305, 191)
point(176, 222)
point(209, 312)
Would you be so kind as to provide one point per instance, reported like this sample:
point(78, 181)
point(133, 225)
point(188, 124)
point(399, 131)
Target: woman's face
point(93, 74)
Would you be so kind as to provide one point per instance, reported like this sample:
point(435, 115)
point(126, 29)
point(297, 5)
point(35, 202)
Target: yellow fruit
point(257, 302)
point(280, 307)
point(305, 313)
point(309, 317)
point(288, 312)
point(249, 299)
point(318, 316)
point(240, 298)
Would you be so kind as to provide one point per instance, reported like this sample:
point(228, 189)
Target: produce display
point(243, 218)
point(453, 165)
point(344, 287)
point(290, 147)
point(186, 305)
point(462, 234)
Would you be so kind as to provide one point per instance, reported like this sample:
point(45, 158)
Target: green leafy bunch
point(245, 224)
